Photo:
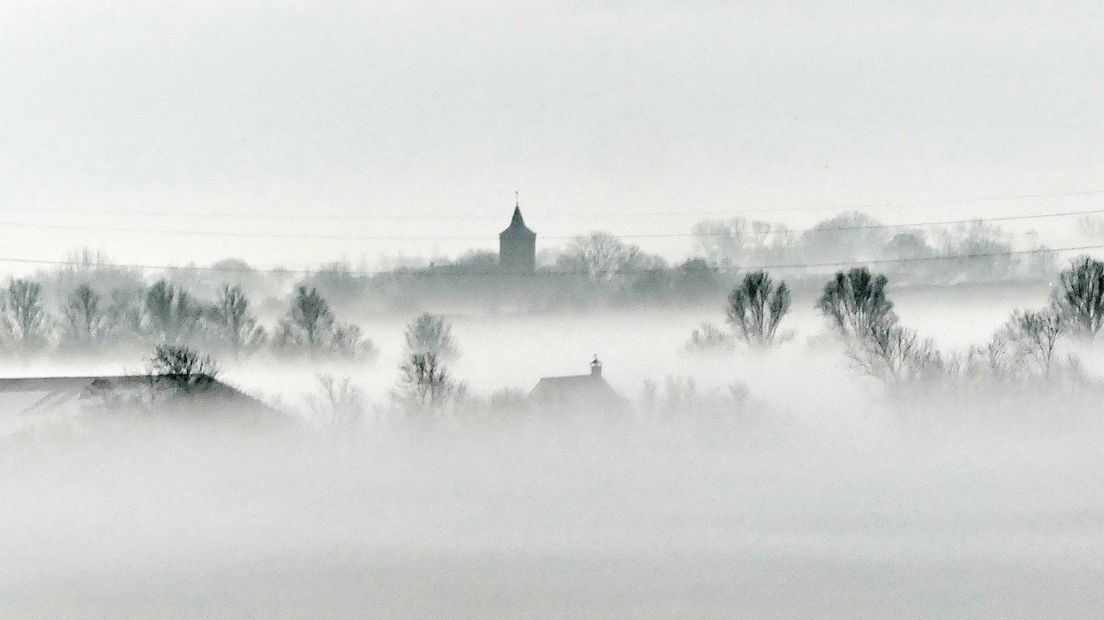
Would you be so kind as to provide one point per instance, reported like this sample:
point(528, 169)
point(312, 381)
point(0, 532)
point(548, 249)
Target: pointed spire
point(517, 220)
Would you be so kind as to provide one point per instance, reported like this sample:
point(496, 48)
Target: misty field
point(822, 495)
point(838, 510)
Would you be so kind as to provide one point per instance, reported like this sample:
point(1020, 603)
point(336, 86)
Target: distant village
point(186, 320)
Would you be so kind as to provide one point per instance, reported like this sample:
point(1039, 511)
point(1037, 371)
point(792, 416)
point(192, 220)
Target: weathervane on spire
point(517, 202)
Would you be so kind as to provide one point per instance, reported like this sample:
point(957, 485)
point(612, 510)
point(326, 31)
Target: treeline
point(855, 237)
point(85, 319)
point(600, 269)
point(860, 313)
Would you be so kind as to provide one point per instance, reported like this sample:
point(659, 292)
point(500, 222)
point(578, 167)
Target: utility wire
point(274, 235)
point(445, 271)
point(416, 216)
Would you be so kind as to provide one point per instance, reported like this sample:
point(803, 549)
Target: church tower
point(517, 245)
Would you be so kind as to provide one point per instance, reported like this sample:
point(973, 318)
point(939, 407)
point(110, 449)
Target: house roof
point(29, 395)
point(576, 390)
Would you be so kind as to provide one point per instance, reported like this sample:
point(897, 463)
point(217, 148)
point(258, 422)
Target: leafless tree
point(897, 354)
point(430, 333)
point(989, 361)
point(341, 404)
point(310, 315)
point(1034, 335)
point(236, 325)
point(85, 320)
point(180, 369)
point(171, 314)
point(349, 342)
point(27, 316)
point(707, 340)
point(856, 303)
point(600, 257)
point(425, 383)
point(756, 308)
point(1080, 300)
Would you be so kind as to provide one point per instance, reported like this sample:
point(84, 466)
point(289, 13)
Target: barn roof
point(577, 391)
point(30, 395)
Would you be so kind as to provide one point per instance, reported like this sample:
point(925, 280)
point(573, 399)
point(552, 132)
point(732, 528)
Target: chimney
point(596, 367)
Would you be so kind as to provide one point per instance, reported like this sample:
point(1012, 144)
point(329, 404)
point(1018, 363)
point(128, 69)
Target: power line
point(416, 216)
point(444, 271)
point(354, 237)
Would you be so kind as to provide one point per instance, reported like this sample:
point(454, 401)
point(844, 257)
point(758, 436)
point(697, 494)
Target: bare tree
point(425, 383)
point(236, 325)
point(600, 257)
point(852, 235)
point(341, 404)
point(707, 340)
point(1035, 334)
point(989, 361)
point(431, 333)
point(27, 317)
point(311, 317)
point(181, 369)
point(1080, 300)
point(856, 303)
point(124, 315)
point(85, 320)
point(897, 354)
point(348, 341)
point(755, 309)
point(171, 315)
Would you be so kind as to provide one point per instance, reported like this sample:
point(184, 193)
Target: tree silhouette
point(856, 303)
point(1080, 300)
point(27, 317)
point(85, 321)
point(236, 326)
point(425, 383)
point(1035, 335)
point(180, 369)
point(756, 308)
point(431, 333)
point(599, 257)
point(171, 313)
point(310, 315)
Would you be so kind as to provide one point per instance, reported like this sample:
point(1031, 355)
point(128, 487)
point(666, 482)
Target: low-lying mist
point(821, 494)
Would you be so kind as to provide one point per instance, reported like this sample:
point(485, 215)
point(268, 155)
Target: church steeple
point(517, 245)
point(517, 221)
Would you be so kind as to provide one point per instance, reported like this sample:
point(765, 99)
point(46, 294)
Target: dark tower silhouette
point(517, 245)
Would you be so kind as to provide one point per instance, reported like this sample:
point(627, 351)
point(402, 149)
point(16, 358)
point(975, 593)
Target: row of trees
point(163, 313)
point(602, 269)
point(858, 309)
point(857, 237)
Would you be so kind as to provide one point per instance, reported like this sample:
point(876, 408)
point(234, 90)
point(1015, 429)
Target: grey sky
point(447, 108)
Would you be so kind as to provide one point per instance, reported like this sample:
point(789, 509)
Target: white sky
point(434, 108)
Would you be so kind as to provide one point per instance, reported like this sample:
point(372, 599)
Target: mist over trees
point(856, 237)
point(594, 270)
point(75, 310)
point(431, 334)
point(25, 316)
